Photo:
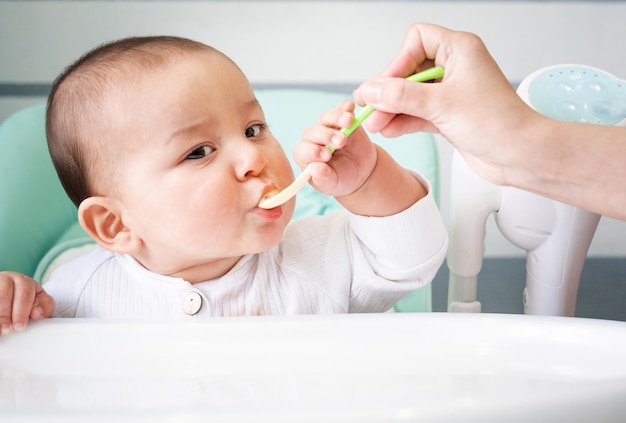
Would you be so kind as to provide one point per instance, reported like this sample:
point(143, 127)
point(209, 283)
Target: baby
point(163, 147)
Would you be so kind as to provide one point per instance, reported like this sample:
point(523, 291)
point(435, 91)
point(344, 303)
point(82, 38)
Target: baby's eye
point(200, 152)
point(255, 130)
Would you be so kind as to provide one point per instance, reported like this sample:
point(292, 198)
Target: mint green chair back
point(34, 210)
point(38, 222)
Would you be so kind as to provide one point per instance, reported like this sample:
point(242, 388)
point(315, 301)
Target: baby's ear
point(102, 219)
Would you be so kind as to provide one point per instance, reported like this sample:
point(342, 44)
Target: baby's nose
point(250, 162)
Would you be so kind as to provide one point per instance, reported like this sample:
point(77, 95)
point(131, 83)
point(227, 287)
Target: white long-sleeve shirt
point(338, 263)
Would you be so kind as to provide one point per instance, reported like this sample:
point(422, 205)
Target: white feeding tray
point(431, 367)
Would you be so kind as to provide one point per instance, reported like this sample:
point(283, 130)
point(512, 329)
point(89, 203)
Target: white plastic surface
point(556, 236)
point(353, 368)
point(579, 93)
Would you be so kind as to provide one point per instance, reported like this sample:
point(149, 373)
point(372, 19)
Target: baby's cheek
point(286, 171)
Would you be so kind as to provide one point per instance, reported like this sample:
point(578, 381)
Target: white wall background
point(321, 42)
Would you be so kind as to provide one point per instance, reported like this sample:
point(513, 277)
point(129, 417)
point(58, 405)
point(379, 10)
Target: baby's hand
point(344, 171)
point(21, 298)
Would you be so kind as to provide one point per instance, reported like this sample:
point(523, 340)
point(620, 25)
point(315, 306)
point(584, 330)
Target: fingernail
point(336, 140)
point(346, 120)
point(36, 313)
point(19, 327)
point(6, 329)
point(326, 154)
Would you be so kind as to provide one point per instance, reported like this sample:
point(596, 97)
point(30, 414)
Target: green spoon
point(283, 196)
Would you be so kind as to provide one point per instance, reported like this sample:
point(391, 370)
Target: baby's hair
point(76, 126)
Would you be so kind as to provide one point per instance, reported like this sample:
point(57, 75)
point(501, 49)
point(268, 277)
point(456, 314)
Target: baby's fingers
point(318, 144)
point(43, 306)
point(24, 292)
point(6, 305)
point(339, 117)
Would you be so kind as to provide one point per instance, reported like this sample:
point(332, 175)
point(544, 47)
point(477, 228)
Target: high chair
point(556, 236)
point(38, 224)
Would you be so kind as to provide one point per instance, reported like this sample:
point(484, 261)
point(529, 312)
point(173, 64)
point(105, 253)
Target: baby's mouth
point(269, 194)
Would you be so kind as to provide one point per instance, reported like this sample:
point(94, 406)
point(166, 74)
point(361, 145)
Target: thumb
point(391, 97)
point(396, 96)
point(43, 306)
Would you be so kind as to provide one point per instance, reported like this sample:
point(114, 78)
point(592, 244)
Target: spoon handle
point(359, 118)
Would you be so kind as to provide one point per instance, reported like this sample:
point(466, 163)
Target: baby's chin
point(271, 239)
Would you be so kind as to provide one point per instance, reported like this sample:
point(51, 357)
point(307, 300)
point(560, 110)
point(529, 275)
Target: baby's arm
point(363, 177)
point(21, 298)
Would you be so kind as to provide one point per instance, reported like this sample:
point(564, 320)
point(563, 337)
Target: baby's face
point(195, 158)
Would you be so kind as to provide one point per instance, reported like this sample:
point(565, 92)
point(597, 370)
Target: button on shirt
point(192, 303)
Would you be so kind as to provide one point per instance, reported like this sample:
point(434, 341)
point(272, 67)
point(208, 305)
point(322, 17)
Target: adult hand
point(474, 106)
point(502, 138)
